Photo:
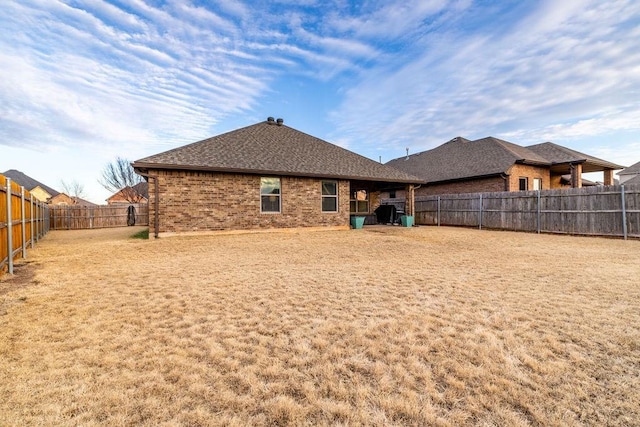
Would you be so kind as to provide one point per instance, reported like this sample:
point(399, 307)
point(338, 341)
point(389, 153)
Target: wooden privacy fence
point(23, 221)
point(598, 211)
point(85, 217)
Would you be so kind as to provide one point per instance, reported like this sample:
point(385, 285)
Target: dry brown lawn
point(379, 326)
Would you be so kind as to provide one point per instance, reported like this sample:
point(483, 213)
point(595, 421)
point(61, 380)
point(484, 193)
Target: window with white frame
point(359, 202)
point(537, 183)
point(270, 195)
point(329, 196)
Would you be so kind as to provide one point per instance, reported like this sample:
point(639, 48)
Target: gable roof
point(634, 169)
point(77, 201)
point(275, 149)
point(461, 158)
point(27, 182)
point(635, 180)
point(557, 154)
point(140, 189)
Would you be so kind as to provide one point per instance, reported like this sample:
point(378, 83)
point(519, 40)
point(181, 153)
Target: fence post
point(24, 224)
point(438, 217)
point(9, 226)
point(33, 241)
point(538, 214)
point(624, 213)
point(480, 214)
point(37, 211)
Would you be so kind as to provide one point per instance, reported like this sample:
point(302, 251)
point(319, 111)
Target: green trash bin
point(406, 220)
point(357, 221)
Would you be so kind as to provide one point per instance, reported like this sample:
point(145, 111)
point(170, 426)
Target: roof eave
point(145, 167)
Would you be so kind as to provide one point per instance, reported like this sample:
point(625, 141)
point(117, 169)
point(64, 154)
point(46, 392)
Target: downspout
point(506, 181)
point(156, 202)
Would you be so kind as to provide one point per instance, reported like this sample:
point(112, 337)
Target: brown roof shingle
point(461, 158)
point(557, 154)
point(269, 148)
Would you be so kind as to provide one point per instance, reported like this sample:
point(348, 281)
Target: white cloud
point(504, 79)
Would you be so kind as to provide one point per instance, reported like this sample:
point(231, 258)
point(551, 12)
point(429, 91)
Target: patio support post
point(411, 200)
point(576, 175)
point(608, 177)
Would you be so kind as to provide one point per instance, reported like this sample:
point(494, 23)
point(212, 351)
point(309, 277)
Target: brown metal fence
point(86, 217)
point(599, 211)
point(23, 221)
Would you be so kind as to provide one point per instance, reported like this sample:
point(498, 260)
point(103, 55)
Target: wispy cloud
point(558, 65)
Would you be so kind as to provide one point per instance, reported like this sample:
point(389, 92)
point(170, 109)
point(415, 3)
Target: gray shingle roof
point(268, 148)
point(27, 182)
point(635, 180)
point(558, 154)
point(634, 169)
point(461, 158)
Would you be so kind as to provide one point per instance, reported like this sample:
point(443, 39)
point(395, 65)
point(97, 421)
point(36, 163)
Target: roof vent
point(407, 158)
point(279, 122)
point(271, 120)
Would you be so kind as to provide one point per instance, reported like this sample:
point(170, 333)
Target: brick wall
point(530, 172)
point(205, 201)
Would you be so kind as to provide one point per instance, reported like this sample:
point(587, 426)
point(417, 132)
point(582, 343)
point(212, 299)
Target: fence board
point(18, 223)
point(88, 217)
point(583, 211)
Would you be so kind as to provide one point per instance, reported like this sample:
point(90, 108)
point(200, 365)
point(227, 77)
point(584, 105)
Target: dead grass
point(380, 326)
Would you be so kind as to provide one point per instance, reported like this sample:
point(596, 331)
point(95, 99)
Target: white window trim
point(322, 196)
point(279, 196)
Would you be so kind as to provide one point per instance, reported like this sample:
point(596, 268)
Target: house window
point(523, 183)
point(537, 183)
point(270, 195)
point(360, 202)
point(392, 194)
point(329, 196)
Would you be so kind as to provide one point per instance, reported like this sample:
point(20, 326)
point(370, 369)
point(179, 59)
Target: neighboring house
point(36, 188)
point(565, 160)
point(263, 176)
point(491, 164)
point(139, 193)
point(63, 199)
point(630, 175)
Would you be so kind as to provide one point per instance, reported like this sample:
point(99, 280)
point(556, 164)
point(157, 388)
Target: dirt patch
point(23, 276)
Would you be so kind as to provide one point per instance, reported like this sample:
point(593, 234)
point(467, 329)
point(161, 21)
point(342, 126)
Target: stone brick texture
point(193, 201)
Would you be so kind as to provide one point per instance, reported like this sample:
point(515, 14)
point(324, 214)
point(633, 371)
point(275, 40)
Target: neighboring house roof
point(635, 180)
point(558, 154)
point(634, 169)
point(64, 198)
point(461, 158)
point(141, 189)
point(274, 149)
point(28, 182)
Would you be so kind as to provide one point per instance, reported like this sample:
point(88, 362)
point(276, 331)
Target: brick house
point(491, 164)
point(138, 193)
point(63, 199)
point(36, 188)
point(263, 176)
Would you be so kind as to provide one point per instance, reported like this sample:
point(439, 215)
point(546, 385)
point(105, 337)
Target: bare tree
point(119, 176)
point(74, 189)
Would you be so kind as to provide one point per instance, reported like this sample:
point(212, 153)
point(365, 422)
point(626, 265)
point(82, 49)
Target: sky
point(85, 81)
